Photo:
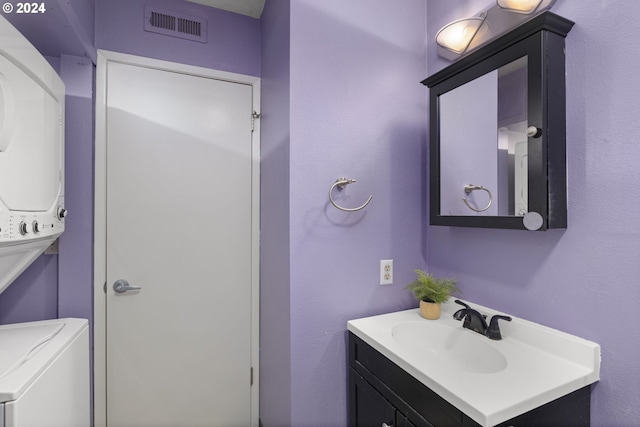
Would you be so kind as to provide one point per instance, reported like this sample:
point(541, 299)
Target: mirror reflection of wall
point(468, 149)
point(484, 143)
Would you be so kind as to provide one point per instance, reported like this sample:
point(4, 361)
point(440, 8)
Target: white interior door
point(179, 226)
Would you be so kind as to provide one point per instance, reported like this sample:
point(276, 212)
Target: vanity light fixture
point(461, 37)
point(457, 35)
point(526, 7)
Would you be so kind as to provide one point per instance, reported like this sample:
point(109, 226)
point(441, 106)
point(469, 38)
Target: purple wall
point(341, 97)
point(357, 110)
point(233, 42)
point(33, 295)
point(582, 280)
point(75, 277)
point(66, 27)
point(275, 339)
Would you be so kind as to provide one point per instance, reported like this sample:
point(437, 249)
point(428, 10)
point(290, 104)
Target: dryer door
point(30, 141)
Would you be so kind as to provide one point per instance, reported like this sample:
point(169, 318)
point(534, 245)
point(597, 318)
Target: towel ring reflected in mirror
point(469, 188)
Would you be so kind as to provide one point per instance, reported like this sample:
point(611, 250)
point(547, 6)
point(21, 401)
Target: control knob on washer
point(62, 212)
point(36, 227)
point(22, 228)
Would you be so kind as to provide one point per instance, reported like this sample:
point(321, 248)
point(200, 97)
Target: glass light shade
point(519, 6)
point(457, 35)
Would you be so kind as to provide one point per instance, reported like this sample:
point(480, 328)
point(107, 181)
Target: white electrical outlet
point(386, 271)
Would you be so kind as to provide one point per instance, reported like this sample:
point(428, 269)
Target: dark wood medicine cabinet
point(498, 132)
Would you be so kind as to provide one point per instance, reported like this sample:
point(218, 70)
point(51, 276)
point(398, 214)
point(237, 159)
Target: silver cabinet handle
point(121, 286)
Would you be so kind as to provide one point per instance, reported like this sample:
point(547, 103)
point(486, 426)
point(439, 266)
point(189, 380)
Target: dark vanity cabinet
point(381, 394)
point(373, 409)
point(497, 132)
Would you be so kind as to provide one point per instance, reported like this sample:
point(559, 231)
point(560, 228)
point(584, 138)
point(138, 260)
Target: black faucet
point(477, 322)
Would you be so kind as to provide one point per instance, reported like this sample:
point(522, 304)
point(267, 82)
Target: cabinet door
point(402, 421)
point(368, 407)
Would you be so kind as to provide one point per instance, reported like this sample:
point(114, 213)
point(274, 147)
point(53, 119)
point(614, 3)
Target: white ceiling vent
point(175, 24)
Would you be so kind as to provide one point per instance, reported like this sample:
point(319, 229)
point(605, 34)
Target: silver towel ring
point(341, 183)
point(469, 188)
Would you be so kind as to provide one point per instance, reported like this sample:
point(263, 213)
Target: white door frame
point(100, 217)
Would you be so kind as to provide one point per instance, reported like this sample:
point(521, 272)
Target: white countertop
point(543, 364)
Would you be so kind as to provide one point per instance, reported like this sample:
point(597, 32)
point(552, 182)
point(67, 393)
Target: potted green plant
point(431, 292)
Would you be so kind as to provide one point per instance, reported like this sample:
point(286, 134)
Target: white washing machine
point(44, 374)
point(31, 154)
point(44, 366)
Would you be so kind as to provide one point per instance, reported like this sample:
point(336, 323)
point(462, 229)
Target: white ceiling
point(251, 8)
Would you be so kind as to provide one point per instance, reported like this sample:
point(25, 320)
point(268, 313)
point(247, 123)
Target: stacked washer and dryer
point(44, 366)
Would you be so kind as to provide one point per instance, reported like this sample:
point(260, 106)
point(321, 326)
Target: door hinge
point(255, 115)
point(251, 375)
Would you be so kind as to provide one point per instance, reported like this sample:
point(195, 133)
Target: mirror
point(497, 132)
point(490, 150)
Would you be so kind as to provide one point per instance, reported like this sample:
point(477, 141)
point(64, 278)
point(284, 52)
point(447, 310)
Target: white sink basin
point(450, 347)
point(490, 381)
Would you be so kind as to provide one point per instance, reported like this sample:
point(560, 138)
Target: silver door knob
point(121, 286)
